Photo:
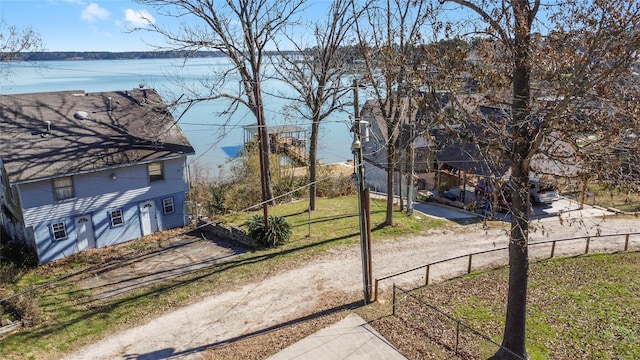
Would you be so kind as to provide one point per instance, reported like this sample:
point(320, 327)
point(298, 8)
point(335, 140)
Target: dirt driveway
point(186, 333)
point(182, 257)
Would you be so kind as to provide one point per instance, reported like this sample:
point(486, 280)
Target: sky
point(90, 25)
point(79, 25)
point(104, 25)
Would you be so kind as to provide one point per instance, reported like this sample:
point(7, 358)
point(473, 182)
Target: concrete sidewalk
point(350, 338)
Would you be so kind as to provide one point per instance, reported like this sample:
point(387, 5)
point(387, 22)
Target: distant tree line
point(106, 55)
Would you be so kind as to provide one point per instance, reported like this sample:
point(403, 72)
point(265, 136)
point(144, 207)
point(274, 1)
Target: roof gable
point(61, 133)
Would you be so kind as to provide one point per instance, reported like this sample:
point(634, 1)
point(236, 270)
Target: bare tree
point(241, 30)
point(316, 72)
point(14, 42)
point(564, 87)
point(389, 33)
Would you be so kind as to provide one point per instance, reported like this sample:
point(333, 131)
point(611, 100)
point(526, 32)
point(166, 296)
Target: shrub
point(216, 202)
point(25, 308)
point(19, 255)
point(335, 185)
point(278, 233)
point(287, 189)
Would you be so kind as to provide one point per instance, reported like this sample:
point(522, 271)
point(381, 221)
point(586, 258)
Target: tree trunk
point(514, 338)
point(313, 153)
point(584, 183)
point(264, 153)
point(391, 167)
point(401, 180)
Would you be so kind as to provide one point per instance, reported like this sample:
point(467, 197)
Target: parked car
point(499, 200)
point(484, 189)
point(543, 191)
point(450, 196)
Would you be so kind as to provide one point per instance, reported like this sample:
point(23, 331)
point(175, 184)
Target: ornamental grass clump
point(278, 233)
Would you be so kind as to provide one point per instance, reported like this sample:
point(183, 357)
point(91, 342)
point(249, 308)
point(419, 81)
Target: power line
point(259, 126)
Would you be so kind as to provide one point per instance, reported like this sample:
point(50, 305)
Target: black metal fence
point(444, 336)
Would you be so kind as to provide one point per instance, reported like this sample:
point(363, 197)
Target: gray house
point(414, 143)
point(85, 170)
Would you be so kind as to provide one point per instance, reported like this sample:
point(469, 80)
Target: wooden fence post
point(426, 279)
point(469, 265)
point(586, 250)
point(457, 336)
point(626, 242)
point(394, 299)
point(375, 290)
point(553, 249)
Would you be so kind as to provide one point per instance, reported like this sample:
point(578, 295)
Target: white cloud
point(94, 12)
point(138, 18)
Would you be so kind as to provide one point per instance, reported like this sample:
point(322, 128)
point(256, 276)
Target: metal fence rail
point(427, 267)
point(453, 337)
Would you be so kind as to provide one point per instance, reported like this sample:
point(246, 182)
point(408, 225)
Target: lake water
point(213, 135)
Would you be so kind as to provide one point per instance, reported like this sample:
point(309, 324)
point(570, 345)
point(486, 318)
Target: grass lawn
point(583, 307)
point(65, 317)
point(610, 198)
point(614, 198)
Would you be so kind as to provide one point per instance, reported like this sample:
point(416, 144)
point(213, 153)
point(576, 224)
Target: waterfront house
point(414, 143)
point(88, 170)
point(440, 147)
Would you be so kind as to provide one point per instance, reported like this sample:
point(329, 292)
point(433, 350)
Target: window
point(167, 205)
point(116, 217)
point(63, 188)
point(59, 231)
point(155, 171)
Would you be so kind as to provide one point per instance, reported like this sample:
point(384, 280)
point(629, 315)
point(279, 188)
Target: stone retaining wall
point(229, 233)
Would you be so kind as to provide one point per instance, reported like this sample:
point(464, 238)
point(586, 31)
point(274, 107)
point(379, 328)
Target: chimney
point(48, 127)
point(109, 109)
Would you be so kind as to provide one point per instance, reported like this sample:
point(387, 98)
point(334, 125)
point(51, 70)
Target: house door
point(148, 217)
point(84, 232)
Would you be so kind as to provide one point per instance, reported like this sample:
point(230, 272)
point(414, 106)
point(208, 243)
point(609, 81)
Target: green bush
point(216, 203)
point(335, 185)
point(278, 233)
point(288, 189)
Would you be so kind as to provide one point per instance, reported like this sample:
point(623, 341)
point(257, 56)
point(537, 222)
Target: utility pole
point(363, 199)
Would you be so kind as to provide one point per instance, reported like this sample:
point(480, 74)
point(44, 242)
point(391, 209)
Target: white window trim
point(64, 230)
point(164, 206)
point(111, 218)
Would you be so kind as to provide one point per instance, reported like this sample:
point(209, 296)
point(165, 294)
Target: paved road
point(442, 211)
point(562, 206)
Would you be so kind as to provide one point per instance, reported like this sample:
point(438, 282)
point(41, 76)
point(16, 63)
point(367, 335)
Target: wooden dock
point(291, 147)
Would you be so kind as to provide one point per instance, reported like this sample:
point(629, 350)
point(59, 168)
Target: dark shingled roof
point(88, 132)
